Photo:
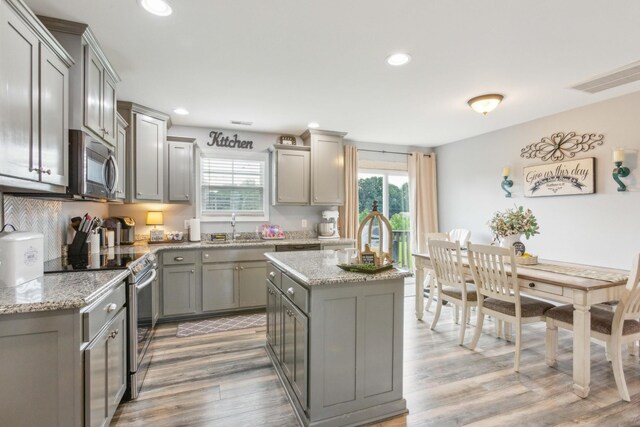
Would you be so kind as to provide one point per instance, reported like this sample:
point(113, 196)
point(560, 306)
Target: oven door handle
point(146, 283)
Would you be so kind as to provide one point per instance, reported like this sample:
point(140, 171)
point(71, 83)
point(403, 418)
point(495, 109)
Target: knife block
point(79, 245)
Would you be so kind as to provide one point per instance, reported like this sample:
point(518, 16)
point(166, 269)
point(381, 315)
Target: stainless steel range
point(141, 317)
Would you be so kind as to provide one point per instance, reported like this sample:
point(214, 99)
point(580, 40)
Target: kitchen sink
point(227, 242)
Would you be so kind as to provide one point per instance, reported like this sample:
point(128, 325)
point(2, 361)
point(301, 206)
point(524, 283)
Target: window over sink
point(233, 184)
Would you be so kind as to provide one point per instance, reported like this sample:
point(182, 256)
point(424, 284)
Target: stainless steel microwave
point(93, 167)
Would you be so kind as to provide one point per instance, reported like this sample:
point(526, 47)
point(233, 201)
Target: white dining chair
point(430, 281)
point(613, 328)
point(451, 281)
point(499, 293)
point(461, 235)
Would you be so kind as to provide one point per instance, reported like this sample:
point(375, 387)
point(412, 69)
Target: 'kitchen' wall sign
point(219, 140)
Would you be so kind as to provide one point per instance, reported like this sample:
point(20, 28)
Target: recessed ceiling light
point(157, 7)
point(313, 125)
point(485, 103)
point(398, 59)
point(181, 111)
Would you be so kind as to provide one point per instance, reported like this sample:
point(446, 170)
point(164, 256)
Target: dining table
point(559, 282)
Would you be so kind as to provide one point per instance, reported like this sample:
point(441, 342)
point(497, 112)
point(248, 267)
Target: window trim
point(226, 217)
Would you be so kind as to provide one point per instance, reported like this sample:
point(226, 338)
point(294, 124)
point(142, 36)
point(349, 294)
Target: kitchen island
point(335, 338)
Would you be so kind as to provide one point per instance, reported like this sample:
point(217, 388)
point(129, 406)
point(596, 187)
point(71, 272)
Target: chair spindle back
point(447, 262)
point(489, 273)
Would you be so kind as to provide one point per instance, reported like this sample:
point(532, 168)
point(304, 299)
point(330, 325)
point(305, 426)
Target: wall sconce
point(619, 171)
point(485, 103)
point(506, 182)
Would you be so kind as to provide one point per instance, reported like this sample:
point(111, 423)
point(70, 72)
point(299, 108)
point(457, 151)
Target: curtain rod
point(390, 152)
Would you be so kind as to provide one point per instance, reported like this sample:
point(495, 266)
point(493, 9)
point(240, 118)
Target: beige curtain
point(349, 211)
point(423, 198)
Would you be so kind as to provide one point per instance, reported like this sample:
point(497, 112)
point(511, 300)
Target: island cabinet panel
point(339, 350)
point(378, 357)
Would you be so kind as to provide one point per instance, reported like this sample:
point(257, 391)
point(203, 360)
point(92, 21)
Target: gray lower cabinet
point(227, 286)
point(274, 318)
point(105, 372)
point(219, 287)
point(178, 290)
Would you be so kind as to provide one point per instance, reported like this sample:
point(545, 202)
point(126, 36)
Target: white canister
point(94, 243)
point(21, 257)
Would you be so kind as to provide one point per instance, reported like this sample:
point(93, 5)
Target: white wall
point(598, 229)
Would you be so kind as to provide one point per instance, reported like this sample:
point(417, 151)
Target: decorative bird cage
point(368, 251)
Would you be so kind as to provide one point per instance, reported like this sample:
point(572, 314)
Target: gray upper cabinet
point(327, 166)
point(93, 80)
point(121, 155)
point(291, 174)
point(146, 137)
point(34, 87)
point(179, 179)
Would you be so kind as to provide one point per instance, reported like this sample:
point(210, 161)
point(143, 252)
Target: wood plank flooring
point(226, 379)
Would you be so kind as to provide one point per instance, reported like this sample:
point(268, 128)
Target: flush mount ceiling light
point(398, 59)
point(157, 7)
point(181, 111)
point(313, 125)
point(485, 103)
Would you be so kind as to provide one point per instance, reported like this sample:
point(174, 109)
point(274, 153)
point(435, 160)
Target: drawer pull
point(178, 258)
point(290, 291)
point(114, 333)
point(532, 285)
point(272, 275)
point(193, 271)
point(110, 307)
point(206, 255)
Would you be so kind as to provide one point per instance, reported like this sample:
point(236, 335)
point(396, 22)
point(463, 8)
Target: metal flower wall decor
point(561, 145)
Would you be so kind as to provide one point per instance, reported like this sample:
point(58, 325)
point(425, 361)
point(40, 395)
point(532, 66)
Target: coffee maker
point(127, 230)
point(328, 228)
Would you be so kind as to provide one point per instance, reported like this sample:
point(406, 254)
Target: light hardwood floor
point(226, 379)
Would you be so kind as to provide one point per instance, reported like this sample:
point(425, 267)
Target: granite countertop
point(81, 288)
point(314, 268)
point(59, 291)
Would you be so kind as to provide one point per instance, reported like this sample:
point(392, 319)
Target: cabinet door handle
point(139, 193)
point(315, 198)
point(114, 333)
point(106, 132)
point(206, 255)
point(241, 268)
point(193, 271)
point(290, 291)
point(179, 258)
point(532, 285)
point(36, 170)
point(272, 274)
point(110, 307)
point(236, 269)
point(186, 196)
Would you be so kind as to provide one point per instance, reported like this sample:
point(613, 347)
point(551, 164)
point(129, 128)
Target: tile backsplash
point(37, 215)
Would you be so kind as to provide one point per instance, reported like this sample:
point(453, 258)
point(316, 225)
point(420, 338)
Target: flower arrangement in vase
point(507, 226)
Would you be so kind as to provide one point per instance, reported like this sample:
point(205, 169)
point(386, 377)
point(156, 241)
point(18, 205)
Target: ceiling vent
point(239, 122)
point(619, 77)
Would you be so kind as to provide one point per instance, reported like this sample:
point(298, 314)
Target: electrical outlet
point(304, 223)
point(186, 224)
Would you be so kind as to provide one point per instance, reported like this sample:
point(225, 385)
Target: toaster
point(21, 257)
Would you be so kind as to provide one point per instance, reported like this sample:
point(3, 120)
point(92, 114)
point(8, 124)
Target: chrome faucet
point(233, 227)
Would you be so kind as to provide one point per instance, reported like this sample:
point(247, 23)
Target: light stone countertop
point(315, 268)
point(59, 291)
point(78, 289)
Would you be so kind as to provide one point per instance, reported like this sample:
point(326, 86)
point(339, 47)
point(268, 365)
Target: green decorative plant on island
point(514, 221)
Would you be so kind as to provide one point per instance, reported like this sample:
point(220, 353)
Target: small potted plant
point(509, 225)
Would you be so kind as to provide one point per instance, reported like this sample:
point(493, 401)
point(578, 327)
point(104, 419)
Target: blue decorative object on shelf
point(506, 183)
point(619, 171)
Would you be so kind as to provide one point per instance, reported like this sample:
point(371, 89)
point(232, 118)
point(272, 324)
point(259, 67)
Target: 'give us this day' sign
point(560, 179)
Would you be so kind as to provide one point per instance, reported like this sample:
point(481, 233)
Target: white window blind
point(232, 185)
